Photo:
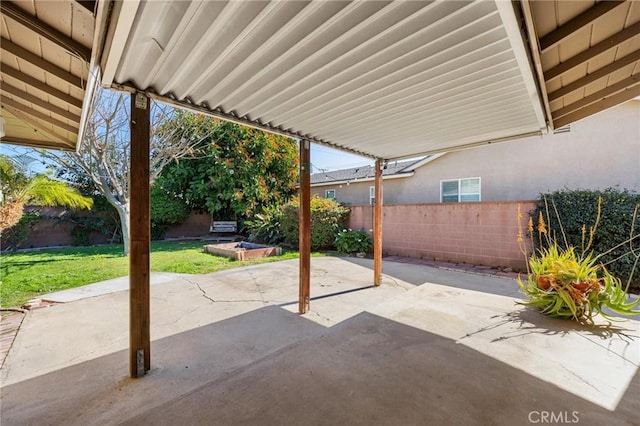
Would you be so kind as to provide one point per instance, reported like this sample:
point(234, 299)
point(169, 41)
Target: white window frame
point(326, 194)
point(459, 186)
point(372, 195)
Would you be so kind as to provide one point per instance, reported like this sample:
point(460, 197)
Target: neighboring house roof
point(396, 169)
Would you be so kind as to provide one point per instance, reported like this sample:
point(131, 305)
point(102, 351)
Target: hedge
point(576, 208)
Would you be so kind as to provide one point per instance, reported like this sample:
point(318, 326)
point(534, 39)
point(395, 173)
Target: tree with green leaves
point(17, 189)
point(236, 172)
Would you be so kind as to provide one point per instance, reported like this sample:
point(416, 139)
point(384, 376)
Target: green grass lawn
point(28, 275)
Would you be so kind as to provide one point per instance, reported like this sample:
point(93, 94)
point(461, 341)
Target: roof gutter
point(102, 17)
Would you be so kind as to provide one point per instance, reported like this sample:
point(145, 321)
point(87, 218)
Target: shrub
point(578, 210)
point(327, 219)
point(83, 228)
point(350, 242)
point(13, 236)
point(266, 226)
point(166, 210)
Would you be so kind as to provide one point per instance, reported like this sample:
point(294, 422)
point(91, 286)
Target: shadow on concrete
point(273, 367)
point(330, 295)
point(420, 274)
point(530, 321)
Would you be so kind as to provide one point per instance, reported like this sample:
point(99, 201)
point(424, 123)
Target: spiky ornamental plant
point(564, 284)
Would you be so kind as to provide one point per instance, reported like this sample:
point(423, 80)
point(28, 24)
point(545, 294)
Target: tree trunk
point(123, 212)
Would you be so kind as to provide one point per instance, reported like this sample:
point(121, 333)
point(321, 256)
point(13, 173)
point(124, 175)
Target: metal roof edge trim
point(468, 145)
point(238, 120)
point(89, 95)
point(100, 33)
point(367, 179)
point(422, 162)
point(537, 62)
point(510, 23)
point(117, 24)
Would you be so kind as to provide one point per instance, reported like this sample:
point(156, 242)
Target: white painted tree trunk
point(125, 221)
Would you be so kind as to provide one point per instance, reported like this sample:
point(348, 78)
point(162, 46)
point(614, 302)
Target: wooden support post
point(377, 225)
point(139, 296)
point(305, 226)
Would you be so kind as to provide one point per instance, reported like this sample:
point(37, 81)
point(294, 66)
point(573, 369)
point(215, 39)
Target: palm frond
point(44, 191)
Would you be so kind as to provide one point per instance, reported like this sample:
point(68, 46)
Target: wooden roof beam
point(36, 114)
point(597, 74)
point(37, 84)
point(38, 127)
point(582, 20)
point(41, 63)
point(34, 143)
point(593, 51)
point(596, 107)
point(44, 30)
point(40, 102)
point(596, 96)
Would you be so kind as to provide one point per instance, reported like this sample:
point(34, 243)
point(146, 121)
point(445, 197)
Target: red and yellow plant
point(564, 284)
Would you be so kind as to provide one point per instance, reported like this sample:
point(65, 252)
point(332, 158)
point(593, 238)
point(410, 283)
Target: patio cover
point(360, 76)
point(383, 79)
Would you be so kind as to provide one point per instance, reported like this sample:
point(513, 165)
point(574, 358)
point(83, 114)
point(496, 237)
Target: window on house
point(460, 190)
point(330, 193)
point(372, 195)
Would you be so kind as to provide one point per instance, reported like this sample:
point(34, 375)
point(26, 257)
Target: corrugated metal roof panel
point(388, 79)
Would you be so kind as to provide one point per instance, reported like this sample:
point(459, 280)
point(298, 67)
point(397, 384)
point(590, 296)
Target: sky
point(324, 158)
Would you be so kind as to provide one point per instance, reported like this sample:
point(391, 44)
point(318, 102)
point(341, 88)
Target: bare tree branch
point(104, 155)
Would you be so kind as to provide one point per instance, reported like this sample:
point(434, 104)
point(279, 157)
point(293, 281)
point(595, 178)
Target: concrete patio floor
point(229, 348)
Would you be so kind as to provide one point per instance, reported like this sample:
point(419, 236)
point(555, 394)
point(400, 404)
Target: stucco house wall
point(599, 152)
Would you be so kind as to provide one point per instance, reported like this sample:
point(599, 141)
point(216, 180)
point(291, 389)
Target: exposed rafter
point(596, 107)
point(37, 127)
point(597, 74)
point(40, 144)
point(37, 114)
point(576, 23)
point(18, 15)
point(593, 51)
point(37, 84)
point(18, 93)
point(41, 63)
point(599, 95)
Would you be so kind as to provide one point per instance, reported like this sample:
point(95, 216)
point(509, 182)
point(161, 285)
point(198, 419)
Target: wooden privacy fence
point(483, 233)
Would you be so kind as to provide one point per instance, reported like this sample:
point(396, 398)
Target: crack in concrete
point(608, 347)
point(316, 313)
point(206, 296)
point(204, 293)
point(577, 376)
point(396, 283)
point(255, 281)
